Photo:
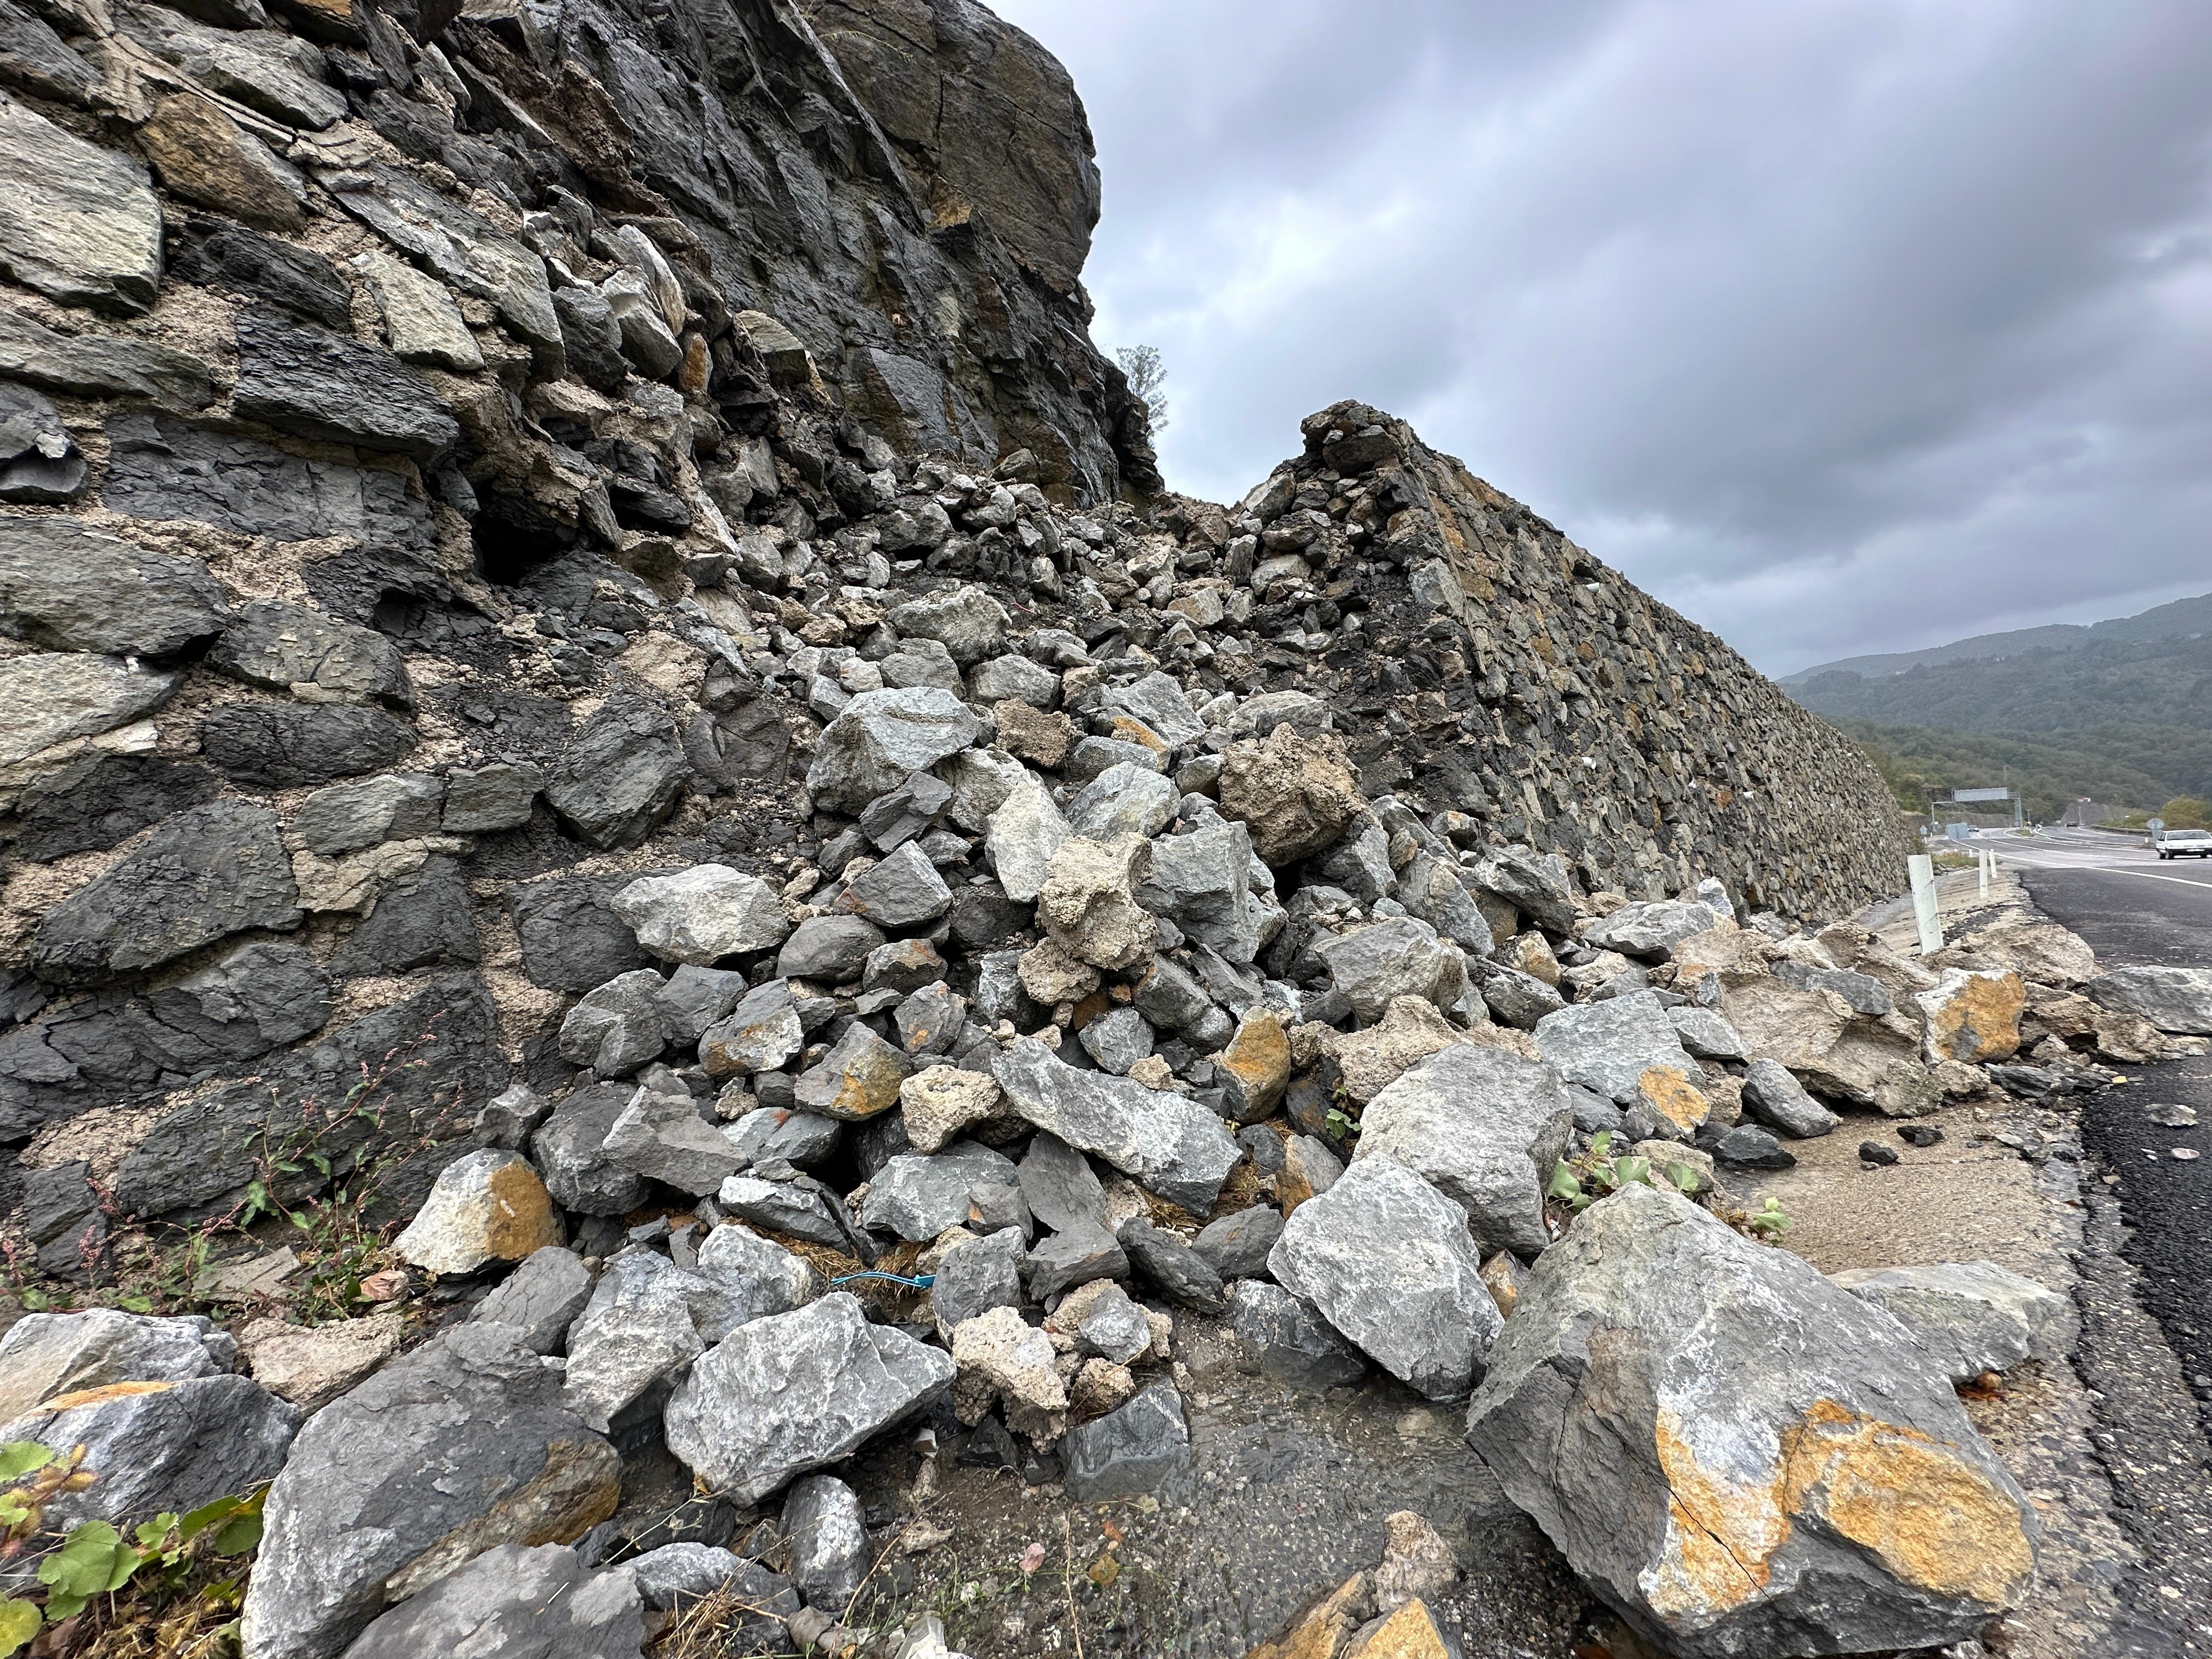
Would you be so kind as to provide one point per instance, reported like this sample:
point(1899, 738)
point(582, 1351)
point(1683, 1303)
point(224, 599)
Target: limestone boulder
point(457, 1447)
point(1738, 1456)
point(1295, 795)
point(1973, 1017)
point(1166, 1144)
point(1389, 1261)
point(488, 1206)
point(792, 1393)
point(1485, 1128)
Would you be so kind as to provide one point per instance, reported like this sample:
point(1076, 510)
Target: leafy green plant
point(1580, 1182)
point(1768, 1221)
point(1340, 1124)
point(160, 1559)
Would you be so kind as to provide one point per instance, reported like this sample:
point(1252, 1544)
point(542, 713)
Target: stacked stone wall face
point(1548, 696)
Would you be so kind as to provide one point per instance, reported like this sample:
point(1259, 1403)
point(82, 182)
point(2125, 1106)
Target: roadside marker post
point(1923, 871)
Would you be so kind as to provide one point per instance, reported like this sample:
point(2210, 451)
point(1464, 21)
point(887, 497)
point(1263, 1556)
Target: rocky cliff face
point(455, 464)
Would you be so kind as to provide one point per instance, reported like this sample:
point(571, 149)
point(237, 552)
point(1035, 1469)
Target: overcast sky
point(1841, 327)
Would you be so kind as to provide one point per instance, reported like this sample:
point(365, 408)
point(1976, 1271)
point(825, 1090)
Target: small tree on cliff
point(1147, 374)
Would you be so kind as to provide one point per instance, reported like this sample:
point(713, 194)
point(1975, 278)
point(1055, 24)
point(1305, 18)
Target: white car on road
point(2184, 844)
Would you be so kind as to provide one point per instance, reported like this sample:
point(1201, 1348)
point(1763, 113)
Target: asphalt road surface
point(2135, 908)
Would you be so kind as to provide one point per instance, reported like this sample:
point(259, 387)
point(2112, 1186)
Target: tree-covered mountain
point(2121, 712)
point(2180, 619)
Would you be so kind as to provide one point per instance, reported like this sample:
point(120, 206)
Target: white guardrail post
point(1923, 871)
point(1987, 859)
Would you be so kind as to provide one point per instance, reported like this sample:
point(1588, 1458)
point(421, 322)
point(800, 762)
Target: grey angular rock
point(967, 622)
point(163, 1446)
point(208, 873)
point(1019, 677)
point(316, 383)
point(513, 1599)
point(829, 1553)
point(1750, 1147)
point(903, 891)
point(1536, 886)
point(45, 1355)
point(786, 1207)
point(1202, 882)
point(1706, 1035)
point(1237, 1245)
point(1123, 801)
point(697, 999)
point(833, 949)
point(457, 1447)
point(540, 1298)
point(977, 1277)
point(1117, 1040)
point(2175, 999)
point(859, 1078)
point(1609, 1046)
point(663, 1138)
point(791, 1393)
point(214, 252)
point(677, 1576)
point(34, 59)
point(1431, 890)
point(883, 738)
point(799, 1138)
point(617, 1027)
point(1486, 1128)
point(1649, 931)
point(1389, 1263)
point(1157, 702)
point(1782, 1472)
point(1021, 837)
point(78, 223)
point(702, 915)
point(70, 588)
point(1775, 1097)
point(52, 698)
point(1081, 1253)
point(1517, 998)
point(162, 468)
point(759, 1035)
point(1285, 1338)
point(1166, 1144)
point(283, 746)
point(892, 820)
point(270, 71)
point(756, 1273)
point(103, 800)
point(570, 1152)
point(1181, 1273)
point(918, 1195)
point(1969, 1317)
point(1061, 1188)
point(1130, 1452)
point(349, 817)
point(642, 1327)
point(591, 339)
point(491, 797)
point(929, 1021)
point(282, 646)
point(571, 941)
point(1112, 1329)
point(622, 775)
point(1376, 965)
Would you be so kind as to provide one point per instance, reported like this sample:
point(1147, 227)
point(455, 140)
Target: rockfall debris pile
point(595, 665)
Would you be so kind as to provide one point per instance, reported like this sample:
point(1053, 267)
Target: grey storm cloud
point(1839, 326)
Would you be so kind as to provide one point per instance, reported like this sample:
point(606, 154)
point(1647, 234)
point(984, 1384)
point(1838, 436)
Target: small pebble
point(1919, 1134)
point(2184, 1153)
point(2171, 1117)
point(1873, 1151)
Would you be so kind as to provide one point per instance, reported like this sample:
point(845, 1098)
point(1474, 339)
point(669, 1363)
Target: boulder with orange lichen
point(1735, 1456)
